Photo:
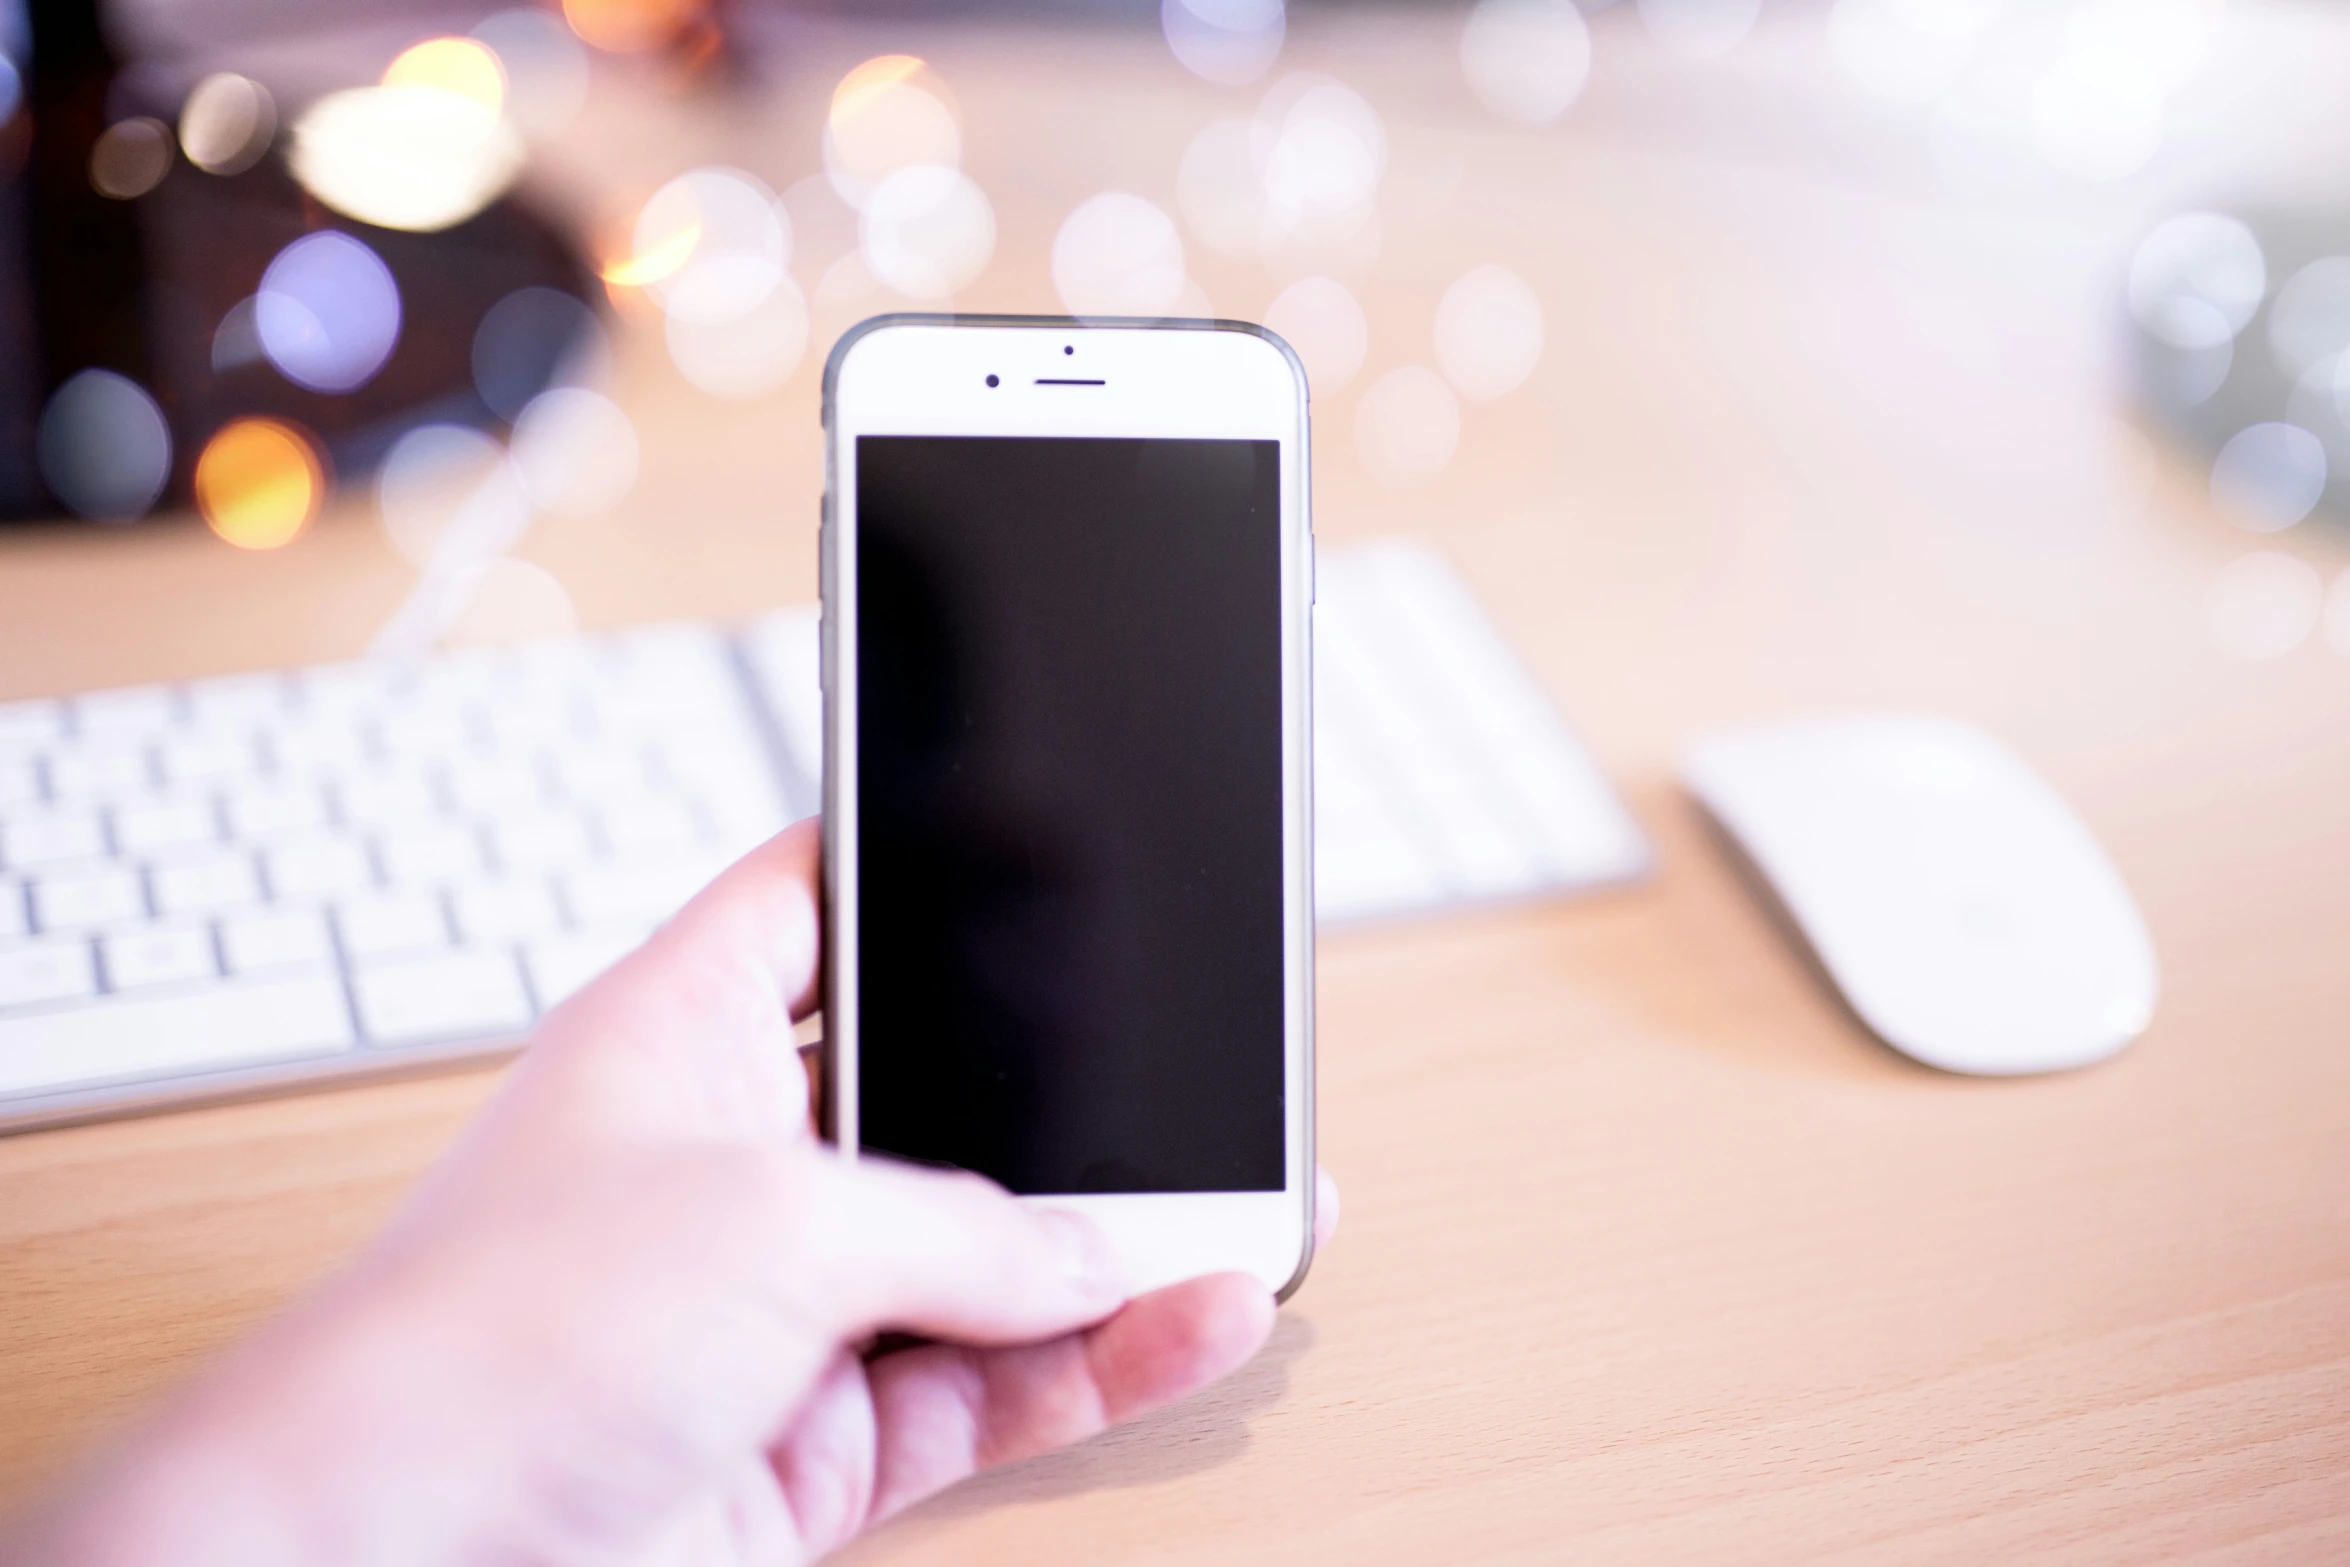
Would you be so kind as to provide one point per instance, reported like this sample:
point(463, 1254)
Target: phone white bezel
point(927, 375)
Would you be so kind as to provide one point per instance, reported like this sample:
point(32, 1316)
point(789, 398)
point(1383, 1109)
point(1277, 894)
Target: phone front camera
point(1068, 348)
point(993, 380)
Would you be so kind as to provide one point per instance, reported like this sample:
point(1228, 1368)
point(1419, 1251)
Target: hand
point(624, 1320)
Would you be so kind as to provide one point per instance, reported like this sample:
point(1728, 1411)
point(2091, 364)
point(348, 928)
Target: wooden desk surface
point(1649, 1254)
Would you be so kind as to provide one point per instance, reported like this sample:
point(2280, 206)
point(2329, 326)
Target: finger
point(694, 1027)
point(947, 1255)
point(744, 951)
point(825, 1465)
point(757, 921)
point(943, 1412)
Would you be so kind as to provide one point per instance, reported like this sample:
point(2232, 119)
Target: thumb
point(757, 926)
point(948, 1255)
point(697, 1021)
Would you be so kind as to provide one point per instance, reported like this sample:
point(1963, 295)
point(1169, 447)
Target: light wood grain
point(1649, 1255)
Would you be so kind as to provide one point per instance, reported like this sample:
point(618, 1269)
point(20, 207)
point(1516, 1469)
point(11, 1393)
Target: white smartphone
point(1068, 575)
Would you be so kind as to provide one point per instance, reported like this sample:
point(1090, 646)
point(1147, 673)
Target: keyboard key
point(549, 838)
point(239, 1024)
point(20, 781)
point(275, 938)
point(318, 867)
point(36, 722)
point(137, 959)
point(391, 922)
point(277, 809)
point(132, 709)
point(338, 690)
point(429, 856)
point(647, 828)
point(42, 971)
point(611, 776)
point(14, 920)
point(561, 965)
point(51, 836)
point(89, 900)
point(413, 734)
point(320, 748)
point(504, 910)
point(224, 880)
point(100, 770)
point(164, 824)
point(506, 786)
point(784, 652)
point(452, 996)
point(642, 892)
point(397, 801)
point(201, 756)
point(242, 702)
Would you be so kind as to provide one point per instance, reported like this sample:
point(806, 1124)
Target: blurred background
point(1742, 356)
point(535, 300)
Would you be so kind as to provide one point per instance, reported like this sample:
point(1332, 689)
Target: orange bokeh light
point(631, 26)
point(258, 483)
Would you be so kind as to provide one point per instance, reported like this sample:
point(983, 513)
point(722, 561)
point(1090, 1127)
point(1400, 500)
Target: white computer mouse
point(1961, 907)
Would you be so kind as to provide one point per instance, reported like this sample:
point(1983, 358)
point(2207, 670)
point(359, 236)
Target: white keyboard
point(269, 879)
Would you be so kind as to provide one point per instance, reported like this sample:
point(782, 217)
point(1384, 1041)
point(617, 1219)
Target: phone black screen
point(1069, 810)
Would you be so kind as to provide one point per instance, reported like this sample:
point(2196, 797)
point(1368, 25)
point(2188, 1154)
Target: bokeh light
point(464, 66)
point(103, 447)
point(237, 340)
point(2098, 116)
point(1407, 426)
point(535, 338)
point(736, 242)
point(1700, 29)
point(1229, 41)
point(1325, 323)
point(546, 70)
point(2269, 476)
point(1527, 60)
point(1488, 332)
point(2169, 39)
point(258, 483)
point(1320, 151)
point(750, 355)
point(328, 312)
point(2320, 404)
point(2337, 613)
point(1217, 188)
point(130, 157)
point(575, 450)
point(630, 26)
point(1118, 255)
point(227, 123)
point(405, 157)
point(1906, 51)
point(2309, 321)
point(448, 489)
point(823, 227)
point(845, 288)
point(927, 231)
point(2263, 605)
point(643, 268)
point(887, 114)
point(2196, 279)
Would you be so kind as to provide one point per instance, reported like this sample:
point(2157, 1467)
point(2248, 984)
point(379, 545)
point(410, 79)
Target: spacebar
point(150, 1036)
